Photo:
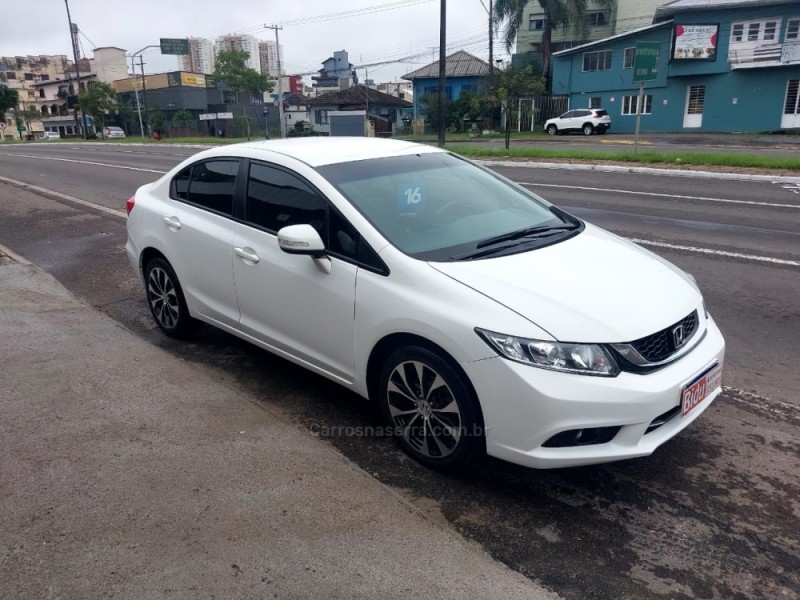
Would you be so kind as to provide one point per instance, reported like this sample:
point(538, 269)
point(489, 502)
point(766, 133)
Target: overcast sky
point(370, 35)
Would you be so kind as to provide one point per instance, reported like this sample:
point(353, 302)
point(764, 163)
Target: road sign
point(208, 116)
point(174, 46)
point(645, 61)
point(228, 115)
point(265, 112)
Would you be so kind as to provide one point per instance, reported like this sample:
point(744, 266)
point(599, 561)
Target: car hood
point(594, 287)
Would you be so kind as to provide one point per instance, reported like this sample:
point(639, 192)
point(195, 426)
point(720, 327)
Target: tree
point(231, 68)
point(182, 117)
point(158, 124)
point(557, 13)
point(8, 99)
point(99, 100)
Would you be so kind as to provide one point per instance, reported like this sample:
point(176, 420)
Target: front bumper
point(524, 406)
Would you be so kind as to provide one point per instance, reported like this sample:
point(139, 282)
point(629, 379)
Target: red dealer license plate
point(697, 391)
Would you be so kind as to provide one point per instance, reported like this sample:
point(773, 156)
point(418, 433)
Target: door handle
point(247, 254)
point(173, 222)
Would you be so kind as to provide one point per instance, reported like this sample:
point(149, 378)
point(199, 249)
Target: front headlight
point(583, 359)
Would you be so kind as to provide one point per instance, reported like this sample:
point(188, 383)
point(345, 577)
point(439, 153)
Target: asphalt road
point(714, 513)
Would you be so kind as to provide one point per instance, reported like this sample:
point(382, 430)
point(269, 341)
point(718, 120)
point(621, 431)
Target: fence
point(530, 114)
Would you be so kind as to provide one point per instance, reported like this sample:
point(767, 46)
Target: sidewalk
point(128, 472)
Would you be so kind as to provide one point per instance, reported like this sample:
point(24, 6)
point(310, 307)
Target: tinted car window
point(276, 199)
point(568, 115)
point(212, 185)
point(601, 113)
point(179, 188)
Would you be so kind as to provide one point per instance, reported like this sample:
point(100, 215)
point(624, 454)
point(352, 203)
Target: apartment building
point(603, 22)
point(200, 58)
point(268, 55)
point(246, 43)
point(21, 73)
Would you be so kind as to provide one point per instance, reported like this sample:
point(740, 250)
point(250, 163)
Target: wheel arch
point(148, 254)
point(389, 343)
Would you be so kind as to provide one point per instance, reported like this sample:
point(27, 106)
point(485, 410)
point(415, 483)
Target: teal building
point(723, 66)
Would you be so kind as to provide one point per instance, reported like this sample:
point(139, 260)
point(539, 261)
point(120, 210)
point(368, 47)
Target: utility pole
point(144, 94)
point(136, 92)
point(442, 67)
point(491, 40)
point(276, 28)
point(133, 71)
point(77, 71)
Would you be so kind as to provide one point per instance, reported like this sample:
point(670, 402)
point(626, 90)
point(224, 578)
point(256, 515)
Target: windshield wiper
point(482, 253)
point(530, 232)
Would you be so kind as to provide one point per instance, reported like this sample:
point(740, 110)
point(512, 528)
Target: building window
point(536, 23)
point(756, 31)
point(595, 102)
point(41, 92)
point(11, 75)
point(597, 61)
point(627, 62)
point(44, 77)
point(793, 29)
point(28, 76)
point(321, 117)
point(792, 104)
point(597, 19)
point(631, 103)
point(697, 98)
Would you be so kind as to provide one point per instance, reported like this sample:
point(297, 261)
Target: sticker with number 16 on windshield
point(411, 197)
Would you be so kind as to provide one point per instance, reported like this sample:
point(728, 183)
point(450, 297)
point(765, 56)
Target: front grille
point(661, 345)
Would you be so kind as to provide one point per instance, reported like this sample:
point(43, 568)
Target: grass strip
point(715, 159)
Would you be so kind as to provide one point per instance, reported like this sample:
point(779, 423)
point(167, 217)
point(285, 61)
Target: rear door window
point(602, 113)
point(209, 185)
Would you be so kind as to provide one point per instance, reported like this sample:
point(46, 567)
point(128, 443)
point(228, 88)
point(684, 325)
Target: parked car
point(477, 315)
point(584, 120)
point(51, 135)
point(113, 132)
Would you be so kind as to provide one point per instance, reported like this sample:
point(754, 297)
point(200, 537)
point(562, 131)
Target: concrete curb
point(640, 170)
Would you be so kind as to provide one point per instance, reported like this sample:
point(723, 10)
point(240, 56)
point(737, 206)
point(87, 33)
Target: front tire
point(552, 130)
point(431, 407)
point(165, 299)
point(588, 129)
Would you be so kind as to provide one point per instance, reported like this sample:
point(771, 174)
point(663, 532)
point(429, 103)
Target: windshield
point(436, 206)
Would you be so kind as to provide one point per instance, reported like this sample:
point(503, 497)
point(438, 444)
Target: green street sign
point(174, 46)
point(645, 61)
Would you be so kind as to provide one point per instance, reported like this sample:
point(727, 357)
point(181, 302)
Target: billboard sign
point(225, 115)
point(695, 42)
point(645, 61)
point(174, 46)
point(208, 116)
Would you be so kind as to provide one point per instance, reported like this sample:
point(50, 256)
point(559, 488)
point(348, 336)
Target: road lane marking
point(768, 259)
point(36, 188)
point(657, 195)
point(85, 162)
point(119, 213)
point(776, 407)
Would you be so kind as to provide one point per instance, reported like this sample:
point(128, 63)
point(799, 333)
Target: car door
point(566, 120)
point(293, 304)
point(198, 234)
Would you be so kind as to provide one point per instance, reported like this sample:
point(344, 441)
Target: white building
point(200, 58)
point(268, 58)
point(109, 64)
point(246, 43)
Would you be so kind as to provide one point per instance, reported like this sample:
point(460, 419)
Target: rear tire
point(588, 129)
point(552, 130)
point(166, 301)
point(431, 408)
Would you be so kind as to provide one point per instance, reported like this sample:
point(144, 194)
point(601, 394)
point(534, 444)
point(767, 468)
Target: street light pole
point(77, 70)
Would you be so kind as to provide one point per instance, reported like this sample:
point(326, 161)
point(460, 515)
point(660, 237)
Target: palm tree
point(557, 13)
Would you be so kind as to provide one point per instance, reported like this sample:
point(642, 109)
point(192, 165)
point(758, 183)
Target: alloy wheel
point(424, 409)
point(163, 298)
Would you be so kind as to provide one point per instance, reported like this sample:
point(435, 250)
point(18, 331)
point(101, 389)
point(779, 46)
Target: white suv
point(585, 120)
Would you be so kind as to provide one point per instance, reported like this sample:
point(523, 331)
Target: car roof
point(319, 151)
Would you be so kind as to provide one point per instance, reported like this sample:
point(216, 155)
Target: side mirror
point(301, 239)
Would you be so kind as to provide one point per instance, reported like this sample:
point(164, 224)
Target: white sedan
point(480, 317)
